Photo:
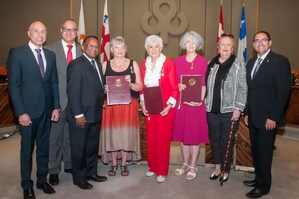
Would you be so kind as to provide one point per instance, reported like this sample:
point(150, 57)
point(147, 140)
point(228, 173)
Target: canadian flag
point(81, 28)
point(105, 41)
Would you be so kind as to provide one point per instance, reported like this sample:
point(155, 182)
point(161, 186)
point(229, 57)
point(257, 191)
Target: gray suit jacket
point(62, 68)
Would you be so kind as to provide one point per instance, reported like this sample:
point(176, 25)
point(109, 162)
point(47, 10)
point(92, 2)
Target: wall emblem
point(164, 25)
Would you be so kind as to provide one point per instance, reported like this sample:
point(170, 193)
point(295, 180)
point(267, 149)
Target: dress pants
point(219, 130)
point(59, 145)
point(36, 133)
point(262, 142)
point(84, 150)
point(159, 132)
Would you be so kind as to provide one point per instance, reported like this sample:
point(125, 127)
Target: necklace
point(190, 58)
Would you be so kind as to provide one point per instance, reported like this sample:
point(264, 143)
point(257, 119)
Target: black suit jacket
point(84, 90)
point(29, 92)
point(268, 91)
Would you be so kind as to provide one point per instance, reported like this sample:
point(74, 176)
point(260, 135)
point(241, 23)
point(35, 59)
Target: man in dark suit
point(33, 88)
point(269, 82)
point(85, 93)
point(65, 50)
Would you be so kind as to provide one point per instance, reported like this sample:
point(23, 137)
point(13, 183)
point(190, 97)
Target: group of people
point(59, 96)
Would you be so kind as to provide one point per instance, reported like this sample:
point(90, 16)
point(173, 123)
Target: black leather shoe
point(249, 183)
point(46, 188)
point(214, 176)
point(224, 178)
point(28, 194)
point(254, 193)
point(54, 179)
point(84, 185)
point(68, 170)
point(97, 178)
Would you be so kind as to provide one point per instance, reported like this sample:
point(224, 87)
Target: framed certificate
point(153, 99)
point(192, 92)
point(118, 90)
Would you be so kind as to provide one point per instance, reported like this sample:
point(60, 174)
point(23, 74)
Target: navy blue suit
point(85, 94)
point(37, 97)
point(267, 97)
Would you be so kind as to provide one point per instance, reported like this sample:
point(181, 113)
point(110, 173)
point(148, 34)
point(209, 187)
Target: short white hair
point(151, 39)
point(193, 37)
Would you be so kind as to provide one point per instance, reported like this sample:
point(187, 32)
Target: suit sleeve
point(54, 82)
point(14, 82)
point(142, 79)
point(173, 83)
point(282, 77)
point(74, 85)
point(241, 88)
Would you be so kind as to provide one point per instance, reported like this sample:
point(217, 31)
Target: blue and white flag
point(242, 46)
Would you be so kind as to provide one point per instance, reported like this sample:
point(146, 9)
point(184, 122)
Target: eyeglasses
point(71, 30)
point(227, 35)
point(91, 46)
point(263, 40)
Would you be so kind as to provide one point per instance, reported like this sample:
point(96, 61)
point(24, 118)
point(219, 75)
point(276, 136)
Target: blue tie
point(40, 62)
point(93, 64)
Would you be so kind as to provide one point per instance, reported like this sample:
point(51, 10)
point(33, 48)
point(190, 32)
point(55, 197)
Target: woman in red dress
point(157, 70)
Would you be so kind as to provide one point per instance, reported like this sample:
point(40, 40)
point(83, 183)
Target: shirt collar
point(264, 55)
point(33, 47)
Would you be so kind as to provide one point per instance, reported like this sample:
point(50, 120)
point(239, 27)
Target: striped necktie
point(259, 62)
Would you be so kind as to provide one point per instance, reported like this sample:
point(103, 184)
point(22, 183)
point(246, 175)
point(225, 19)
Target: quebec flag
point(242, 46)
point(105, 42)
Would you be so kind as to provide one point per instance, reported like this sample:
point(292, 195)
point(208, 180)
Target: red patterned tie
point(69, 56)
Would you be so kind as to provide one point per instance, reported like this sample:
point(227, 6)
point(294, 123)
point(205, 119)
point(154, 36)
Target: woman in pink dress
point(190, 126)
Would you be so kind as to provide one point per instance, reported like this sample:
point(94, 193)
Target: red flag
point(105, 41)
point(220, 27)
point(81, 28)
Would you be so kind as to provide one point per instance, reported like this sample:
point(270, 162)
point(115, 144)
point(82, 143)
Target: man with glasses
point(85, 91)
point(66, 50)
point(269, 82)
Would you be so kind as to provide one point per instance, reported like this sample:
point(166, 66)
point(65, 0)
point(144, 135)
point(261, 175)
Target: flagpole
point(71, 6)
point(257, 15)
point(98, 19)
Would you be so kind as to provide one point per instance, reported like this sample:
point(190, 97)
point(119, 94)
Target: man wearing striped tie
point(269, 83)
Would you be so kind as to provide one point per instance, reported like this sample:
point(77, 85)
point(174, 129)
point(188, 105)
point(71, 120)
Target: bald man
point(33, 88)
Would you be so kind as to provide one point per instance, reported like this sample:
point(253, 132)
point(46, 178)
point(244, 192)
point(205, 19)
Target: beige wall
point(277, 17)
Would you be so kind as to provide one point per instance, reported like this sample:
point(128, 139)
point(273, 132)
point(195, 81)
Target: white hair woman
point(157, 70)
point(190, 126)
